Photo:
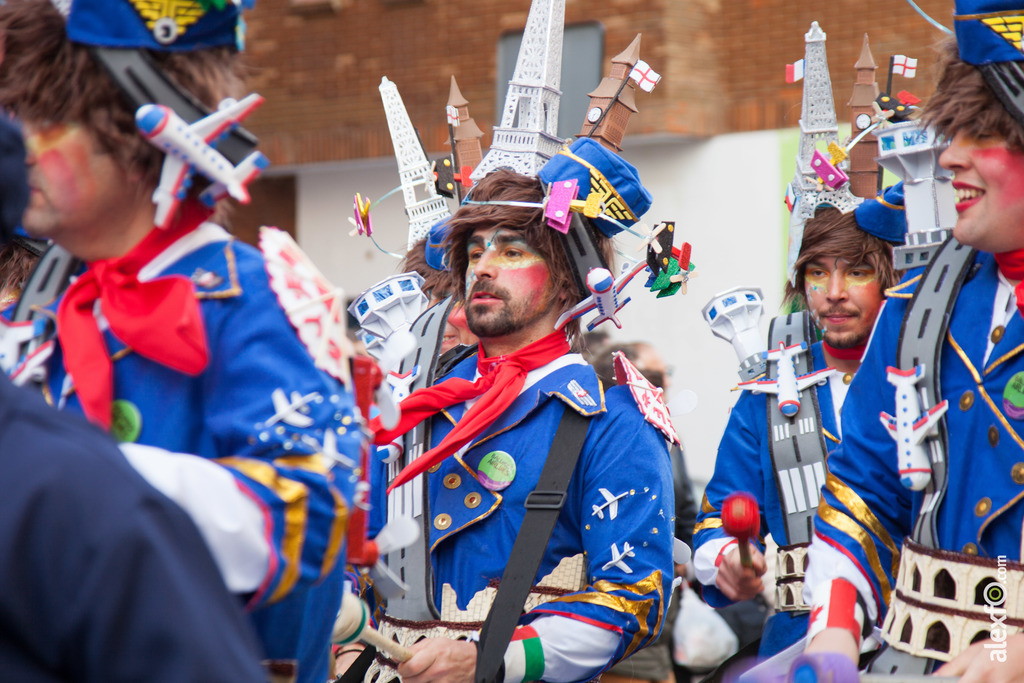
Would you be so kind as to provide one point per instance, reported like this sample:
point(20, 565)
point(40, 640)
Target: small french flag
point(795, 71)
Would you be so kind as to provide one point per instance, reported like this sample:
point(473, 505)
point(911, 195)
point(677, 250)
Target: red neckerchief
point(501, 380)
point(158, 319)
point(1011, 265)
point(852, 353)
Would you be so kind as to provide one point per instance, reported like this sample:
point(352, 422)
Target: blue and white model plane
point(605, 295)
point(786, 384)
point(912, 427)
point(190, 148)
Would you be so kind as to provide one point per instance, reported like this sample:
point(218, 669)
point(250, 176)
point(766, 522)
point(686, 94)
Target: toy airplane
point(611, 503)
point(914, 464)
point(189, 147)
point(619, 559)
point(787, 385)
point(605, 297)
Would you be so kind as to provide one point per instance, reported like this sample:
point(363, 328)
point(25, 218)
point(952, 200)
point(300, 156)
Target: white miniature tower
point(528, 134)
point(817, 122)
point(733, 315)
point(413, 167)
point(389, 306)
point(912, 153)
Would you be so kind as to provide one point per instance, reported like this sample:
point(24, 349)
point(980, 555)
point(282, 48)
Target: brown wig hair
point(436, 283)
point(44, 77)
point(832, 234)
point(16, 263)
point(963, 102)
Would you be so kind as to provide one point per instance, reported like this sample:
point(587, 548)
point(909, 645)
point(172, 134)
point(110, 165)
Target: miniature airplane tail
point(243, 174)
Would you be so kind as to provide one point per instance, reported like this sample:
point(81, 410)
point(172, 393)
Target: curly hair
point(506, 185)
point(46, 77)
point(963, 102)
point(832, 234)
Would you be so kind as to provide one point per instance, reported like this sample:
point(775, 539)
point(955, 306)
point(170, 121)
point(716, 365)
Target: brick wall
point(722, 62)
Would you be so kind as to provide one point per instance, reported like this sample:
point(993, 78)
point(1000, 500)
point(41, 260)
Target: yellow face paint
point(818, 277)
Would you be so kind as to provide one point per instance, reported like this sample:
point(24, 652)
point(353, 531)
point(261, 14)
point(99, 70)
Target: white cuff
point(231, 523)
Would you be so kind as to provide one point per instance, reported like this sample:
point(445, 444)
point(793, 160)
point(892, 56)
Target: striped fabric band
point(524, 658)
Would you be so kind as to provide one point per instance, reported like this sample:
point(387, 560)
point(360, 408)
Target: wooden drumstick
point(353, 623)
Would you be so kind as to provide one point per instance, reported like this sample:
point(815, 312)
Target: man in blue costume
point(600, 590)
point(172, 337)
point(932, 553)
point(102, 579)
point(843, 269)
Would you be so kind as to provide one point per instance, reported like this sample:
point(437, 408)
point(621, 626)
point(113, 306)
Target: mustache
point(839, 311)
point(487, 288)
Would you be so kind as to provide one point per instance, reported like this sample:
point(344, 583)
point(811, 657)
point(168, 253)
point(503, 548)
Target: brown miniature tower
point(466, 135)
point(613, 101)
point(864, 170)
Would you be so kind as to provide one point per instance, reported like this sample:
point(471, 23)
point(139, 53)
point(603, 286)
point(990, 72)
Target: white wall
point(724, 194)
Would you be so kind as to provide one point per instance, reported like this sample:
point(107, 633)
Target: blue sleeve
point(738, 467)
point(280, 457)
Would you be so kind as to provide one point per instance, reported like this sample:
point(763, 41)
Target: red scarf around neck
point(158, 319)
point(501, 380)
point(1011, 265)
point(852, 353)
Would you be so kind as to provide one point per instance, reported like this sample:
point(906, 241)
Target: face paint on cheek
point(64, 160)
point(1008, 166)
point(529, 278)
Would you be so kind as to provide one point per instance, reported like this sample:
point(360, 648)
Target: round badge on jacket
point(496, 470)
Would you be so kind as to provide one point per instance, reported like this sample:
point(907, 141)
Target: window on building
point(582, 69)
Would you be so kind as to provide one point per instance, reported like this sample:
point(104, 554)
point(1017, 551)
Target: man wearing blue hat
point(596, 591)
point(842, 271)
point(926, 542)
point(171, 338)
point(102, 578)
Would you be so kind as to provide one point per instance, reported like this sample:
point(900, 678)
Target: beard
point(846, 339)
point(514, 315)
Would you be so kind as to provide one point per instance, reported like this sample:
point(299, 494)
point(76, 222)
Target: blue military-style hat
point(598, 169)
point(178, 26)
point(988, 35)
point(989, 31)
point(884, 216)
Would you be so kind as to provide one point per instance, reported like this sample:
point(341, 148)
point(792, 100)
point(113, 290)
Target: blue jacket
point(222, 413)
point(867, 512)
point(473, 528)
point(744, 464)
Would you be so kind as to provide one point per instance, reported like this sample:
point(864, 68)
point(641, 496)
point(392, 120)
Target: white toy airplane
point(787, 385)
point(619, 559)
point(605, 297)
point(914, 463)
point(189, 147)
point(611, 503)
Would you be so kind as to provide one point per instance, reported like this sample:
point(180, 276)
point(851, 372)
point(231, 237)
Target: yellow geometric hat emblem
point(1009, 28)
point(168, 19)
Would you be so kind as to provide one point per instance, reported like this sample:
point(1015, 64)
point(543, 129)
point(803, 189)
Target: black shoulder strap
point(797, 444)
point(924, 327)
point(543, 506)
